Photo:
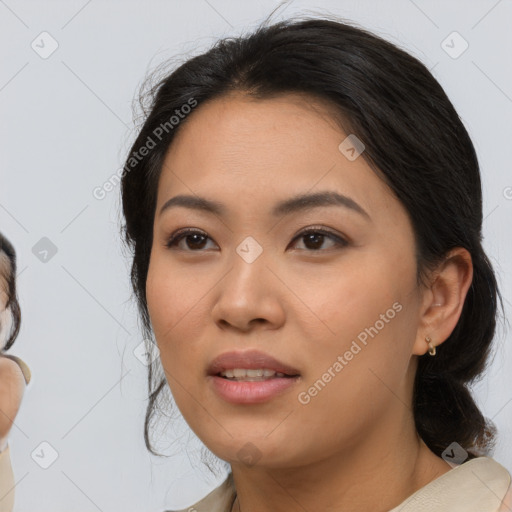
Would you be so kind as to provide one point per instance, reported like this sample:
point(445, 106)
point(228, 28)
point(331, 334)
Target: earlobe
point(431, 348)
point(444, 300)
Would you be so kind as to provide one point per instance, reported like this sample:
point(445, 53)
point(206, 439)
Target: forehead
point(246, 149)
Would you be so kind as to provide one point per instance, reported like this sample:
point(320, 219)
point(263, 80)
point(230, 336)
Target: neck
point(375, 474)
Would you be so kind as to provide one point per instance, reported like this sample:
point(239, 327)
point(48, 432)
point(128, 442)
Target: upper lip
point(249, 359)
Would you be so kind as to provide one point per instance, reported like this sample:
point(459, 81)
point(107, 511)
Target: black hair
point(9, 278)
point(414, 140)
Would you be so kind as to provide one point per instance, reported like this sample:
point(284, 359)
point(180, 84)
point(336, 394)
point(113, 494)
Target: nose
point(249, 296)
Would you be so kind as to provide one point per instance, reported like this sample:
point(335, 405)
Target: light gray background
point(66, 126)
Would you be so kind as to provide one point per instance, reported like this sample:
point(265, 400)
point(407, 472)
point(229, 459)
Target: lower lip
point(245, 392)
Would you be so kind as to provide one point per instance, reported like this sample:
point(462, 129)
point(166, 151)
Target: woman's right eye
point(193, 239)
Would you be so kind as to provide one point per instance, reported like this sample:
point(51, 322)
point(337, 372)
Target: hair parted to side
point(414, 140)
point(8, 284)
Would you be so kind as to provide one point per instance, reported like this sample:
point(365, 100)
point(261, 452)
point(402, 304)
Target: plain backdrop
point(66, 125)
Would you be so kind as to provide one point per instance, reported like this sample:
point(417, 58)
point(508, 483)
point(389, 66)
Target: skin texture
point(354, 445)
point(12, 382)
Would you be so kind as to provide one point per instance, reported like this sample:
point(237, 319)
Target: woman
point(14, 373)
point(304, 208)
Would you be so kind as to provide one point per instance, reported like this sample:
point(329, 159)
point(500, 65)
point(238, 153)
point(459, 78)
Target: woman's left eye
point(316, 237)
point(313, 239)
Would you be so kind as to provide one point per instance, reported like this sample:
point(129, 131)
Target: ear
point(443, 299)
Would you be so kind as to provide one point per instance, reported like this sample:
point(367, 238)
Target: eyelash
point(179, 235)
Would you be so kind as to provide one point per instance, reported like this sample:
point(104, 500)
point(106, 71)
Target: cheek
point(368, 314)
point(350, 298)
point(176, 305)
point(170, 295)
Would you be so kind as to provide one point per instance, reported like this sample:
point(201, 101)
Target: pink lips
point(250, 359)
point(246, 392)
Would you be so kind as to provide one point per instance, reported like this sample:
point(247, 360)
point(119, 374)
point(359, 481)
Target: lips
point(234, 378)
point(250, 360)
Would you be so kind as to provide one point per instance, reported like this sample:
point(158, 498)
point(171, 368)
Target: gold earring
point(431, 348)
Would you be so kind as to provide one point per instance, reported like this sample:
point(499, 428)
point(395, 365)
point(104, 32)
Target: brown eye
point(193, 240)
point(314, 239)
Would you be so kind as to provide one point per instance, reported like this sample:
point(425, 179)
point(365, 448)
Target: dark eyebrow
point(294, 204)
point(307, 201)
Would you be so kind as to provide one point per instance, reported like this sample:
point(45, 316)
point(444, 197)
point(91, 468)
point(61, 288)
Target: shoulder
point(15, 366)
point(219, 500)
point(479, 485)
point(506, 504)
point(10, 375)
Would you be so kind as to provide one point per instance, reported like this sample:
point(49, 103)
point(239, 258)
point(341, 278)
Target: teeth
point(239, 373)
point(250, 374)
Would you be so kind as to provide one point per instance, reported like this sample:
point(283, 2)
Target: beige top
point(479, 485)
point(7, 484)
point(24, 367)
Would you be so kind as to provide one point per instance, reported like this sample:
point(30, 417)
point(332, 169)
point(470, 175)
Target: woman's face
point(339, 308)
